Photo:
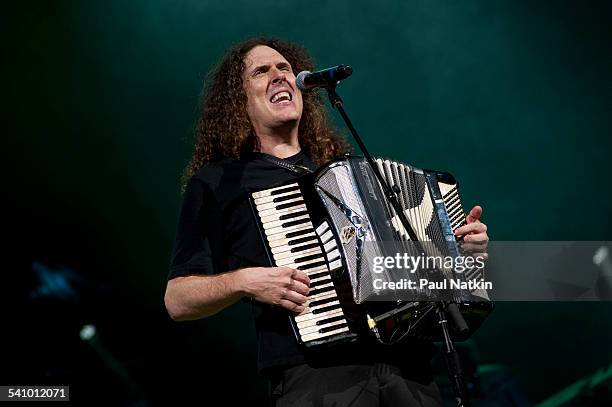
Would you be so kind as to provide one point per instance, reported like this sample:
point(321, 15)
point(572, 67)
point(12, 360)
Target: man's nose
point(278, 76)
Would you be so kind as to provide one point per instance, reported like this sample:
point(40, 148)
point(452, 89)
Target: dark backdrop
point(512, 97)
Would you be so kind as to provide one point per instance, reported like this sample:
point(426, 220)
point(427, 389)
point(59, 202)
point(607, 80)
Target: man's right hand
point(282, 286)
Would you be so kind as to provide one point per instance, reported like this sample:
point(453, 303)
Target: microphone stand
point(443, 308)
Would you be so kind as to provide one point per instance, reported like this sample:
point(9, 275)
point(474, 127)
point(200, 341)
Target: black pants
point(352, 385)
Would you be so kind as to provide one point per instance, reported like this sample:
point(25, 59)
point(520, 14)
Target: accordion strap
point(294, 168)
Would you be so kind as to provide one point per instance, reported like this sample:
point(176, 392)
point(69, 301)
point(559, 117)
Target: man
point(253, 117)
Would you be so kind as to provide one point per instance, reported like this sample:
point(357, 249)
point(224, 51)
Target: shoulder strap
point(294, 168)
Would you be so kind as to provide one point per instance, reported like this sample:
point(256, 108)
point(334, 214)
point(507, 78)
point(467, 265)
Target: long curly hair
point(223, 129)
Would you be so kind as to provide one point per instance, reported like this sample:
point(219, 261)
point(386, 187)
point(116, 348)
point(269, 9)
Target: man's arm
point(198, 296)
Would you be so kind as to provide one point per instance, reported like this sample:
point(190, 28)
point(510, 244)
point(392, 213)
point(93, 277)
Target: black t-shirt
point(217, 232)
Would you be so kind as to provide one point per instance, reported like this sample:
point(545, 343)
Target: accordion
point(332, 225)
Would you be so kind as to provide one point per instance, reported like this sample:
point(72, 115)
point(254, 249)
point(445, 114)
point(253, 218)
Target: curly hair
point(223, 129)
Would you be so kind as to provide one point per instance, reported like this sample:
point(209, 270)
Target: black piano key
point(326, 309)
point(320, 290)
point(295, 222)
point(307, 258)
point(330, 320)
point(287, 189)
point(288, 205)
point(316, 303)
point(317, 275)
point(298, 233)
point(300, 240)
point(318, 283)
point(311, 265)
point(287, 197)
point(332, 328)
point(304, 247)
point(292, 215)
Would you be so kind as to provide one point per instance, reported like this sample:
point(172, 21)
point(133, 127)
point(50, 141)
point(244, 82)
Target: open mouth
point(282, 96)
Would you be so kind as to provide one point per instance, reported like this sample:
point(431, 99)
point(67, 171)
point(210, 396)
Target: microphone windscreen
point(299, 80)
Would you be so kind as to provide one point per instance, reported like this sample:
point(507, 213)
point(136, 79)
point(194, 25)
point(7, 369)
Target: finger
point(476, 237)
point(475, 214)
point(473, 247)
point(301, 276)
point(295, 297)
point(476, 227)
point(291, 306)
point(300, 287)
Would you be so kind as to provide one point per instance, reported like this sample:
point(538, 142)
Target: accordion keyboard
point(294, 242)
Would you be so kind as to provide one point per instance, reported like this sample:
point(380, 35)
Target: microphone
point(324, 78)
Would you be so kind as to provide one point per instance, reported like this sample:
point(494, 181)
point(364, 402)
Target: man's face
point(274, 101)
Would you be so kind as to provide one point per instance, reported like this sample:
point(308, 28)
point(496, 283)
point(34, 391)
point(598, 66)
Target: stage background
point(100, 97)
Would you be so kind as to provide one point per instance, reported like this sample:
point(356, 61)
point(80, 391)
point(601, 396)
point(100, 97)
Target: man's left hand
point(475, 238)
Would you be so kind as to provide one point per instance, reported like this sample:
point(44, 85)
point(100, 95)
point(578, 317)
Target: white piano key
point(322, 296)
point(285, 240)
point(267, 192)
point(276, 215)
point(310, 271)
point(326, 315)
point(271, 198)
point(316, 270)
point(279, 223)
point(292, 260)
point(315, 328)
point(327, 304)
point(329, 285)
point(319, 268)
point(335, 265)
point(283, 257)
point(269, 209)
point(310, 311)
point(287, 247)
point(322, 278)
point(308, 315)
point(306, 228)
point(272, 205)
point(314, 336)
point(279, 229)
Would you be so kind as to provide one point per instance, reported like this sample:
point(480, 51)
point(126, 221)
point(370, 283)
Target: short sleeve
point(192, 252)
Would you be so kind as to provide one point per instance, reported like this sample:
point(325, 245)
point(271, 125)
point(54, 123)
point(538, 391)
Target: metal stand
point(443, 309)
point(451, 357)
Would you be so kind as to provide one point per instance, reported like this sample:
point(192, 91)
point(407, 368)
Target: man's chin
point(287, 118)
point(287, 122)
